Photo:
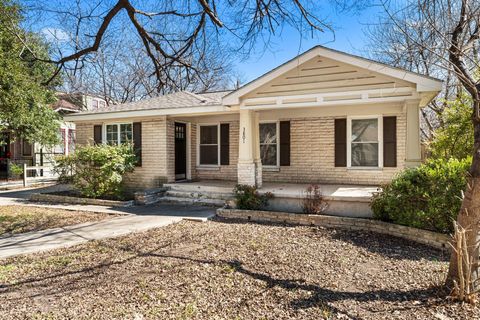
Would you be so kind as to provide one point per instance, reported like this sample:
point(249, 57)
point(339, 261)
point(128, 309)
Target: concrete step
point(190, 201)
point(193, 187)
point(198, 195)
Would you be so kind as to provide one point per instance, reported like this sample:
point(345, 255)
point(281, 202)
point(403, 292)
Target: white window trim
point(217, 124)
point(277, 126)
point(104, 130)
point(380, 141)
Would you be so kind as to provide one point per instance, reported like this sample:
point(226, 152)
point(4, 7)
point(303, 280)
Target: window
point(269, 144)
point(102, 104)
point(208, 145)
point(94, 104)
point(364, 143)
point(118, 133)
point(26, 148)
point(71, 141)
point(60, 148)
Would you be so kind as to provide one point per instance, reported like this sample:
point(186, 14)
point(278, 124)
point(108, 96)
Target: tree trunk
point(469, 215)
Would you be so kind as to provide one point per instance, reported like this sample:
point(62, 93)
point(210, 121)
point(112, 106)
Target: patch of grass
point(325, 311)
point(189, 311)
point(55, 262)
point(5, 271)
point(20, 219)
point(229, 269)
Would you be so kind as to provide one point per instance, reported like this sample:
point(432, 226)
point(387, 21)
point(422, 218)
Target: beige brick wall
point(312, 156)
point(155, 147)
point(223, 172)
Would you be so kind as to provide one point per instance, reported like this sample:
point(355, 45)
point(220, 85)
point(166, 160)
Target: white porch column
point(256, 147)
point(413, 156)
point(249, 169)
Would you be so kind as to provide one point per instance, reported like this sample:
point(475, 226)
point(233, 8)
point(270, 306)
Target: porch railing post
point(24, 174)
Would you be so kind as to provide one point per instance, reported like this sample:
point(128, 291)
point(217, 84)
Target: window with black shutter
point(224, 144)
point(340, 142)
point(284, 143)
point(389, 141)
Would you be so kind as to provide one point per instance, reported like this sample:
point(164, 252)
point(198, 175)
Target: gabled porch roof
point(323, 76)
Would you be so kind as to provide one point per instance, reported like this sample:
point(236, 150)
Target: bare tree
point(121, 68)
point(408, 38)
point(177, 36)
point(447, 38)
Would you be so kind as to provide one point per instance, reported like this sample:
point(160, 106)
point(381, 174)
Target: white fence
point(42, 174)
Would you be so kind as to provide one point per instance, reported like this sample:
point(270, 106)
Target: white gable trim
point(423, 83)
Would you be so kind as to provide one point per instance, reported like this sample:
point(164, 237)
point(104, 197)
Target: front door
point(180, 151)
point(4, 154)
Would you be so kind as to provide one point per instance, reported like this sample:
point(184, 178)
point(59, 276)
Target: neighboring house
point(324, 117)
point(19, 151)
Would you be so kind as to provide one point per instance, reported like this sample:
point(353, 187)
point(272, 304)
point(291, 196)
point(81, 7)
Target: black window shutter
point(224, 144)
point(340, 142)
point(137, 142)
point(284, 143)
point(97, 133)
point(389, 141)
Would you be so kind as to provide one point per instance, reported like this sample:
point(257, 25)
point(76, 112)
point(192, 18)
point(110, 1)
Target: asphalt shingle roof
point(182, 99)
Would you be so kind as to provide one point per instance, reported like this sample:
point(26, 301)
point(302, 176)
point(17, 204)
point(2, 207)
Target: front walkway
point(133, 219)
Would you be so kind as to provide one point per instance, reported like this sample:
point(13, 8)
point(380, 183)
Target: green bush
point(16, 170)
point(427, 197)
point(248, 198)
point(97, 171)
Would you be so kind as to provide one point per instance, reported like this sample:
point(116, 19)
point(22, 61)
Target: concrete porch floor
point(284, 190)
point(342, 200)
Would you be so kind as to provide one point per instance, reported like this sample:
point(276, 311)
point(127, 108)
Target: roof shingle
point(182, 99)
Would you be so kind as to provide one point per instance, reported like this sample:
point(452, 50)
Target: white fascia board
point(319, 96)
point(146, 113)
point(330, 103)
point(423, 83)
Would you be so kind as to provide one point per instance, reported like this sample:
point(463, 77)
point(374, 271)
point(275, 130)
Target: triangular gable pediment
point(324, 71)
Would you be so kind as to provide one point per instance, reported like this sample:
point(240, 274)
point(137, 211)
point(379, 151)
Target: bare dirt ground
point(232, 270)
point(20, 219)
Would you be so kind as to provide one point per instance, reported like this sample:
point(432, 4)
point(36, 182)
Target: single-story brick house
point(324, 117)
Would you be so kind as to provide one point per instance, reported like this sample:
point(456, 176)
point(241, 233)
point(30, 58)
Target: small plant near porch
point(248, 198)
point(98, 171)
point(313, 202)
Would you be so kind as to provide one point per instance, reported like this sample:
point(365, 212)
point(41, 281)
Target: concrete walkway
point(133, 219)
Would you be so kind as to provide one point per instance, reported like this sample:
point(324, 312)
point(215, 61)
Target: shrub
point(427, 197)
point(248, 198)
point(313, 202)
point(97, 171)
point(16, 170)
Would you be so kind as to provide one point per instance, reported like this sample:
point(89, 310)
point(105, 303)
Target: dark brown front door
point(180, 151)
point(4, 154)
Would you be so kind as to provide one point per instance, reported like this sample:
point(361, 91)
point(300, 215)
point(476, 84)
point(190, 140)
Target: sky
point(349, 29)
point(349, 36)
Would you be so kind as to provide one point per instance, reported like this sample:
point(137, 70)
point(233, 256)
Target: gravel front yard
point(19, 219)
point(226, 270)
